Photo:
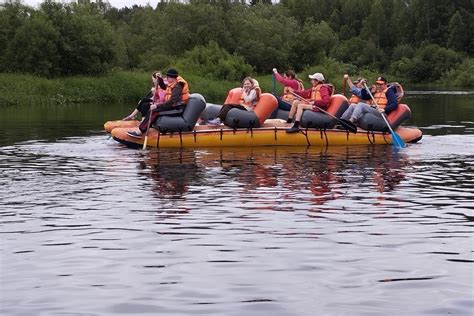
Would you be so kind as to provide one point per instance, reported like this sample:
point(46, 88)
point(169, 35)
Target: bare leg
point(294, 107)
point(301, 108)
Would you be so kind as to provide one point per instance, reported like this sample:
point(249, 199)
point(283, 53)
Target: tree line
point(418, 40)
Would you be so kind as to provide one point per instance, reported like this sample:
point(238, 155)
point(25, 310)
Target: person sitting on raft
point(156, 95)
point(290, 83)
point(176, 97)
point(318, 96)
point(248, 100)
point(385, 102)
point(359, 95)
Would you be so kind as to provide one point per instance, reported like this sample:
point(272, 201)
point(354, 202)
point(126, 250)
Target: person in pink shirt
point(155, 95)
point(291, 83)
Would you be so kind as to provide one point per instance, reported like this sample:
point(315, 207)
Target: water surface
point(89, 227)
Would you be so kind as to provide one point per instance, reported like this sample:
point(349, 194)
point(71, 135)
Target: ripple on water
point(98, 229)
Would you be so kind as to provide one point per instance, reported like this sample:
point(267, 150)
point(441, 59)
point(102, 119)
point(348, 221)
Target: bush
point(214, 62)
point(430, 63)
point(462, 76)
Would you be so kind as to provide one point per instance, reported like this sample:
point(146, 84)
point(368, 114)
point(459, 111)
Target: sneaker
point(134, 134)
point(293, 129)
point(216, 121)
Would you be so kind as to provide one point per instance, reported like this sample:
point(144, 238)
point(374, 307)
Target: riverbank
point(119, 86)
point(127, 86)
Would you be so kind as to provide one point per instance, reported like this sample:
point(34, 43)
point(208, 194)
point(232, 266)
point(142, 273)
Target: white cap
point(317, 76)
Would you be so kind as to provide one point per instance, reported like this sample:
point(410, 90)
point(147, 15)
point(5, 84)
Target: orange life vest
point(184, 92)
point(315, 94)
point(381, 98)
point(355, 99)
point(287, 92)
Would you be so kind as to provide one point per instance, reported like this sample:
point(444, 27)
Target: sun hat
point(172, 73)
point(381, 80)
point(317, 76)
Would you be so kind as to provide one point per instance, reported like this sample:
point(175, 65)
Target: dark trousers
point(283, 105)
point(226, 108)
point(144, 106)
point(153, 116)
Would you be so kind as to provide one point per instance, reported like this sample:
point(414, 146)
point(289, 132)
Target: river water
point(89, 227)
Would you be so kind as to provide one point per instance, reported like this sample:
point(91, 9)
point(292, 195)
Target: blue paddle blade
point(397, 140)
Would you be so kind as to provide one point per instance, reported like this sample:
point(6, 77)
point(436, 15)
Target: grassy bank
point(114, 87)
point(125, 86)
point(121, 86)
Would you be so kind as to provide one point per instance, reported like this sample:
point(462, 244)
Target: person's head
point(172, 75)
point(316, 78)
point(290, 74)
point(381, 83)
point(359, 83)
point(248, 83)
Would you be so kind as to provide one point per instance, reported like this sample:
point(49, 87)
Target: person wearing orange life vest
point(318, 96)
point(359, 95)
point(290, 83)
point(176, 98)
point(385, 102)
point(248, 101)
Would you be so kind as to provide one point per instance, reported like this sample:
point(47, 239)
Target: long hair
point(251, 81)
point(290, 74)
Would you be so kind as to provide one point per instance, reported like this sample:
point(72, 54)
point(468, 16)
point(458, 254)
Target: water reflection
point(275, 172)
point(254, 231)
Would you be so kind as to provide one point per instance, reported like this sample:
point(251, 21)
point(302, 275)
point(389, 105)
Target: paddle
point(147, 130)
point(274, 84)
point(344, 83)
point(346, 124)
point(396, 139)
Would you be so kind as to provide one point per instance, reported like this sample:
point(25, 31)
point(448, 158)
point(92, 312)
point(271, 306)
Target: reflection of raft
point(272, 133)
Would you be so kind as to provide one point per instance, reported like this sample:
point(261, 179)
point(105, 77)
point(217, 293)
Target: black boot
point(295, 128)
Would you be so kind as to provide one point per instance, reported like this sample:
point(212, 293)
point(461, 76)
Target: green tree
point(85, 42)
point(313, 44)
point(263, 35)
point(33, 48)
point(213, 61)
point(12, 16)
point(458, 37)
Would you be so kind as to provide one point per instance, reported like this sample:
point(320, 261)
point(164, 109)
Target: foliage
point(462, 76)
point(90, 38)
point(116, 86)
point(430, 63)
point(212, 61)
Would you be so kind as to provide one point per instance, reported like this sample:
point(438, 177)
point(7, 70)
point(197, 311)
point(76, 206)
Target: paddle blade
point(145, 141)
point(398, 141)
